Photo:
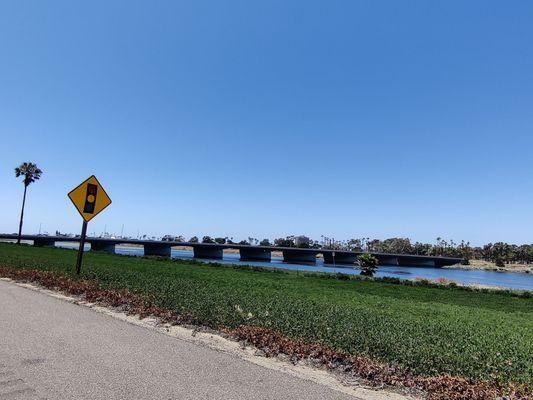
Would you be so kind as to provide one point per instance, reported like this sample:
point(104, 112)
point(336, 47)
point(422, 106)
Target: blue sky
point(264, 119)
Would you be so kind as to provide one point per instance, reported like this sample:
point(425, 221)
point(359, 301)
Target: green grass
point(483, 336)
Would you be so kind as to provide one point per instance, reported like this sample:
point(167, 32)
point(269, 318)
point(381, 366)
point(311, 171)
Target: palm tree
point(31, 173)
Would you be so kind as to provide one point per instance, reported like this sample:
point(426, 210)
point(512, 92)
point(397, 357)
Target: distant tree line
point(498, 253)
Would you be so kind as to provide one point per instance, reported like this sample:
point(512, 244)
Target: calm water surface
point(510, 280)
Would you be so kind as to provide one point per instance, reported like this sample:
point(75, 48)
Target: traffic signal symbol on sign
point(89, 198)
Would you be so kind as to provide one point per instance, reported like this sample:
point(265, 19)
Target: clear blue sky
point(238, 118)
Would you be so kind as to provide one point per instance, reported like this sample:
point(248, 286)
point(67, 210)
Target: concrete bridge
point(215, 251)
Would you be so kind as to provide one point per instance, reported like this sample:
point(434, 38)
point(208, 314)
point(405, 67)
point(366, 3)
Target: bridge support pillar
point(156, 249)
point(208, 252)
point(44, 242)
point(252, 254)
point(340, 258)
point(442, 263)
point(387, 260)
point(104, 247)
point(299, 256)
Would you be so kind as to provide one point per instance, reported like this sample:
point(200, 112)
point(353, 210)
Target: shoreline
point(490, 266)
point(474, 264)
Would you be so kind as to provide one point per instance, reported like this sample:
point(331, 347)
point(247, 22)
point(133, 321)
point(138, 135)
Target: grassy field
point(483, 336)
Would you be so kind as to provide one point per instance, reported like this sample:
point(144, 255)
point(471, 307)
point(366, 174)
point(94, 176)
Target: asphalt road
point(52, 349)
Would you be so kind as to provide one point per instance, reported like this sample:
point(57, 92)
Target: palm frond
point(30, 171)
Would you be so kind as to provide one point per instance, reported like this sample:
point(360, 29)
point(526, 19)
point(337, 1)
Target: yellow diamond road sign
point(89, 198)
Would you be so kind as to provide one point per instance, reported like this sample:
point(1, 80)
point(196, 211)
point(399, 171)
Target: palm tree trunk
point(22, 214)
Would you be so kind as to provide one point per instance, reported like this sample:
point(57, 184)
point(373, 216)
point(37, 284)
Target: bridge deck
point(292, 254)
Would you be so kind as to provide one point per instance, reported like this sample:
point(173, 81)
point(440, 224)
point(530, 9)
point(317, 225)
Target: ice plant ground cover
point(425, 330)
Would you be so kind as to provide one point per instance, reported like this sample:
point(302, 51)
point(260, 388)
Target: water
point(511, 280)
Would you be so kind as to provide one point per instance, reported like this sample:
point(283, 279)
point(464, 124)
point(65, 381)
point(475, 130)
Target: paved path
point(52, 349)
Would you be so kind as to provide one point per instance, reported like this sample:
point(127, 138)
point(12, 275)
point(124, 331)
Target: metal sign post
point(90, 199)
point(82, 247)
